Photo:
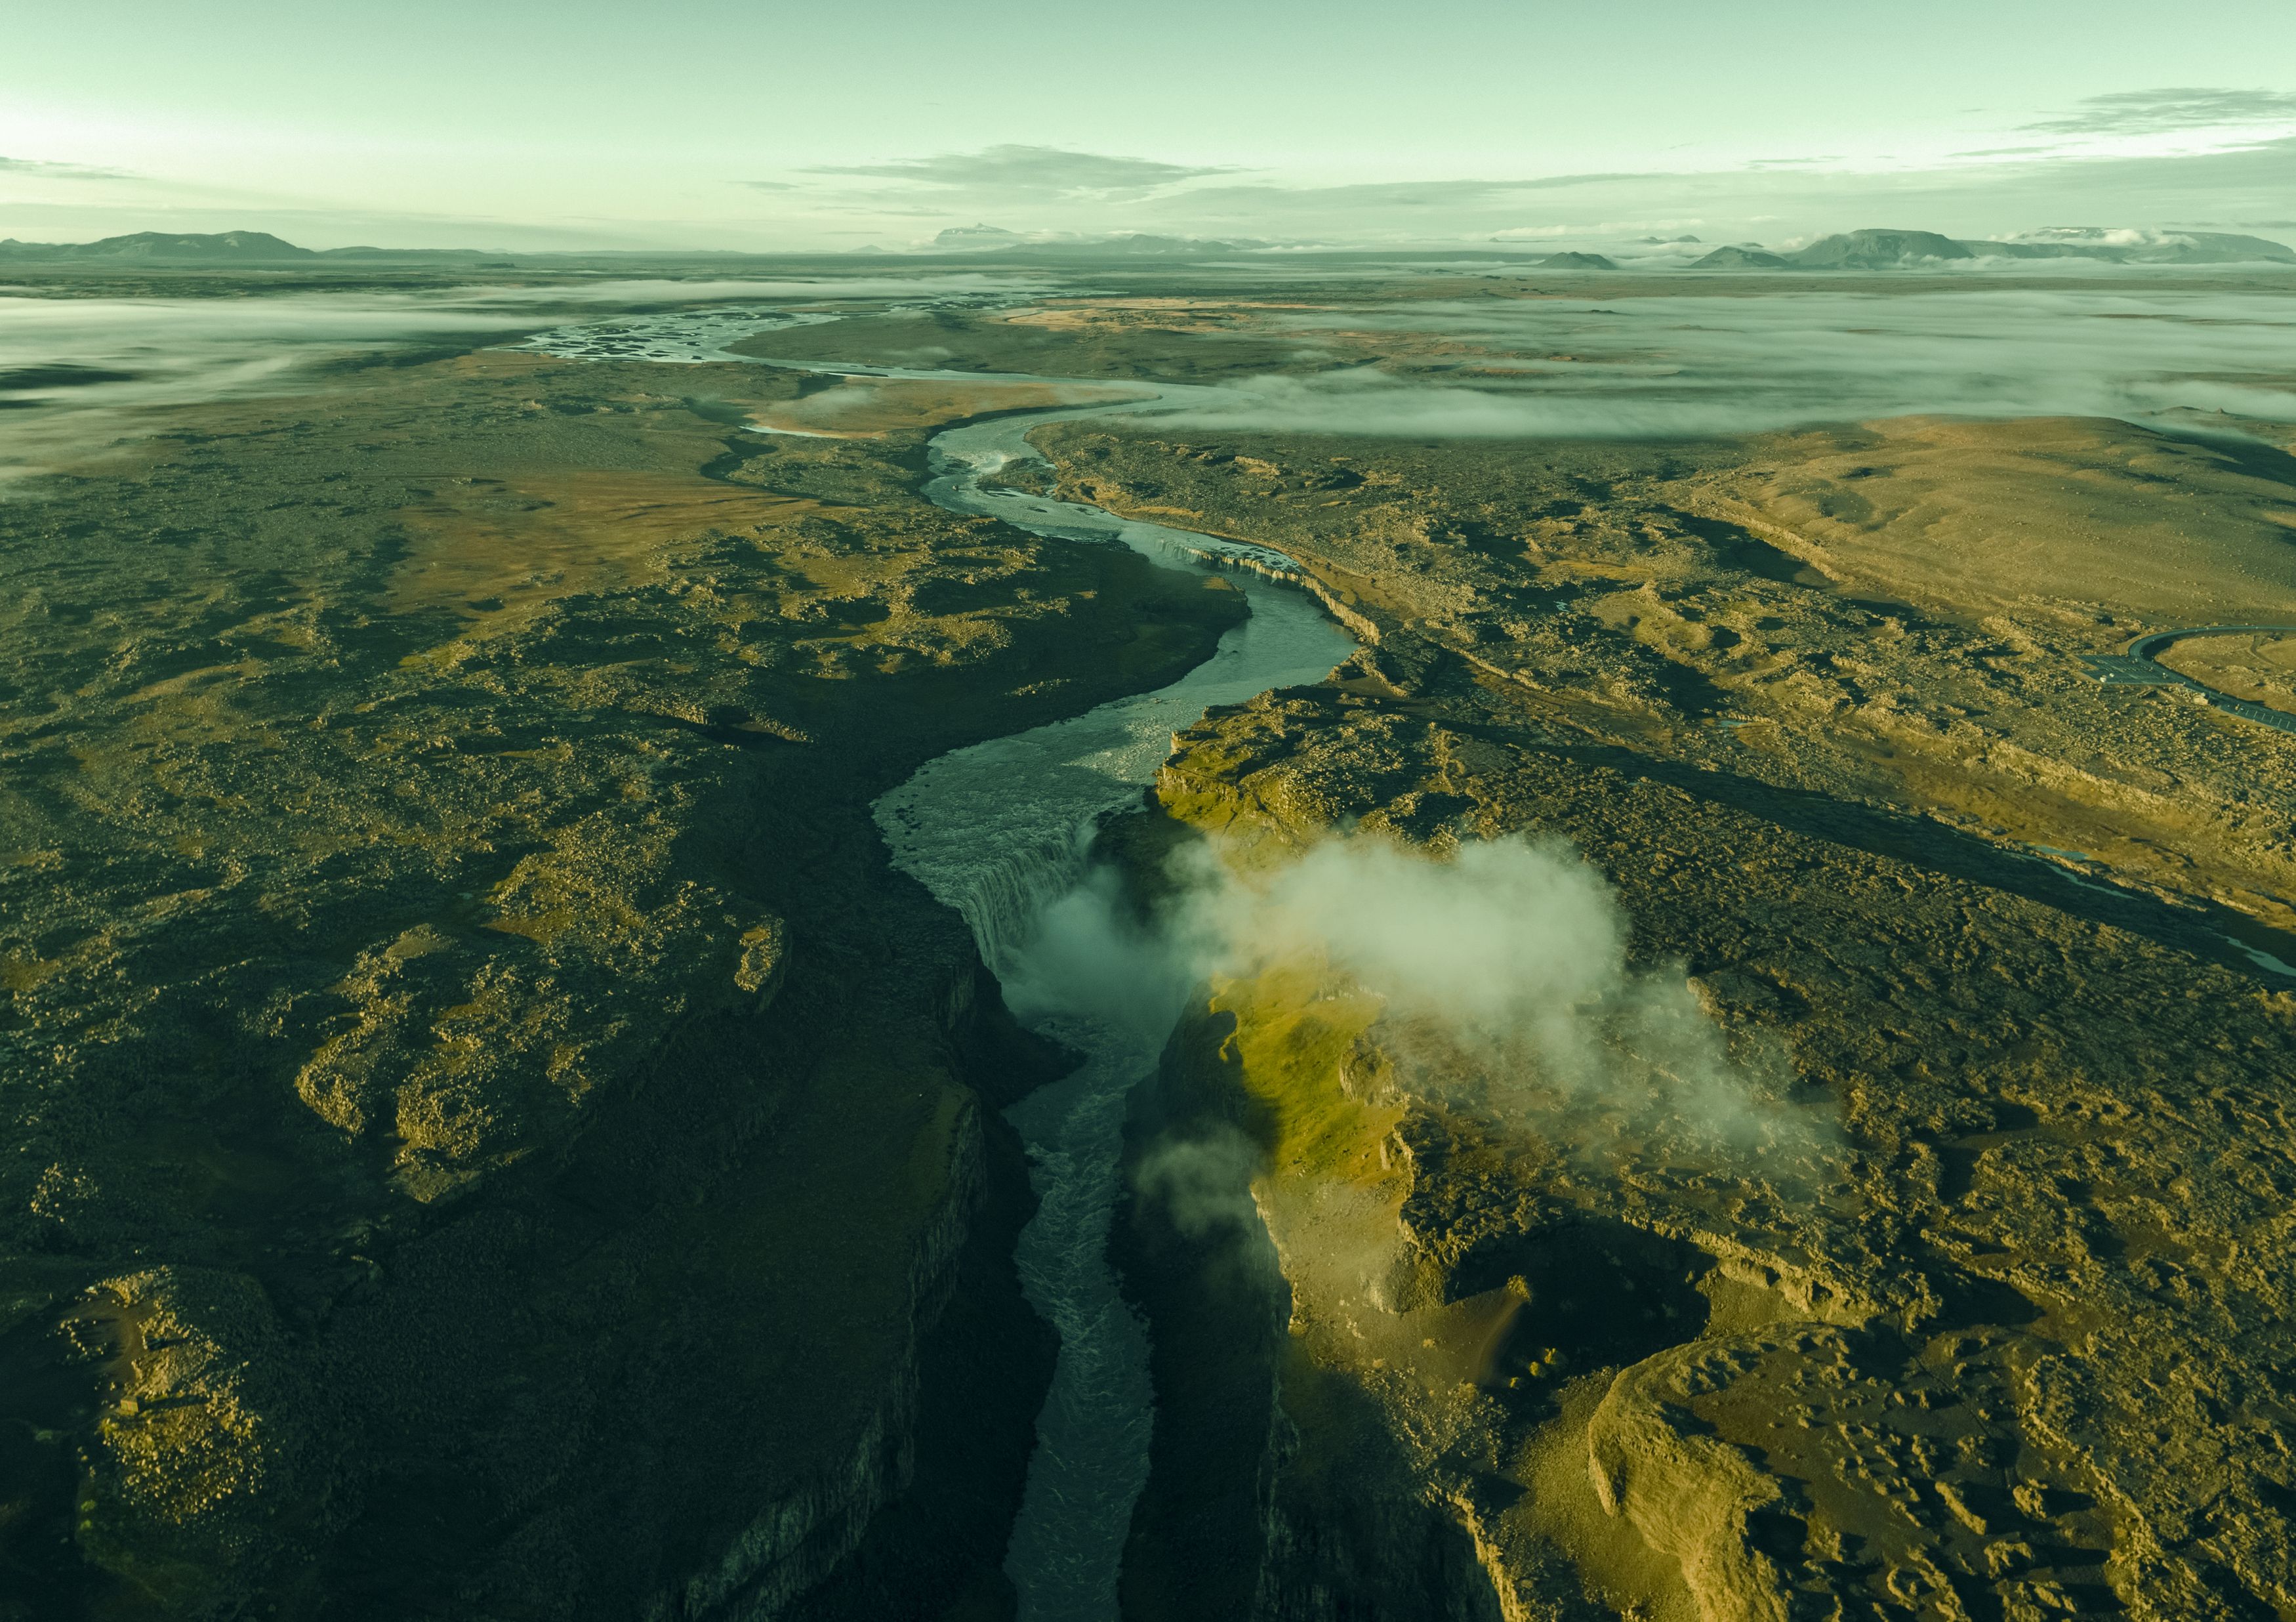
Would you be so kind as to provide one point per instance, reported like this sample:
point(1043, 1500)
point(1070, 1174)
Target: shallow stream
point(998, 832)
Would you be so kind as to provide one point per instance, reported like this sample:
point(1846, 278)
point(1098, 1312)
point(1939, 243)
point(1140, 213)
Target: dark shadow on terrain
point(19, 380)
point(1217, 1303)
point(1249, 1509)
point(987, 1358)
point(1591, 1292)
point(1688, 691)
point(1743, 551)
point(1972, 1301)
point(2206, 930)
point(2258, 461)
point(1213, 1291)
point(43, 1400)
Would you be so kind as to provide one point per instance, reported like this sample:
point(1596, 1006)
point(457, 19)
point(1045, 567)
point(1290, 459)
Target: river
point(999, 831)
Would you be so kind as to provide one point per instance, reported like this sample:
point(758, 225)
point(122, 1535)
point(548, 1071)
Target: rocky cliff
point(1958, 1293)
point(489, 1135)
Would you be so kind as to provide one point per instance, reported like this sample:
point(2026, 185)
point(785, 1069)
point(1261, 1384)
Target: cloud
point(2132, 112)
point(1987, 196)
point(1403, 194)
point(1204, 1184)
point(35, 169)
point(1500, 968)
point(1551, 183)
point(766, 185)
point(1042, 172)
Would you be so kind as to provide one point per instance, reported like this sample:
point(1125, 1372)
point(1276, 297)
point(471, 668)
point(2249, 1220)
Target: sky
point(715, 124)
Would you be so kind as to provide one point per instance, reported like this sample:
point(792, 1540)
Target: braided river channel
point(999, 831)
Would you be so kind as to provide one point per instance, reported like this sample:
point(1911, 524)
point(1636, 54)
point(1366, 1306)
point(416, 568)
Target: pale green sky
point(703, 124)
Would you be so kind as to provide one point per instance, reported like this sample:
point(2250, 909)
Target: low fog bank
point(1722, 365)
point(73, 371)
point(1503, 974)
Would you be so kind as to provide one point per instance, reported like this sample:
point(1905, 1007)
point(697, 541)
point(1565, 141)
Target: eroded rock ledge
point(493, 1138)
point(1988, 1320)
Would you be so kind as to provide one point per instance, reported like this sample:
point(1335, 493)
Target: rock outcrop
point(490, 1136)
point(1971, 1310)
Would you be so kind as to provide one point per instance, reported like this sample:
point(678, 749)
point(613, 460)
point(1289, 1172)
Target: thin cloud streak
point(1031, 172)
point(2014, 192)
point(34, 168)
point(1987, 192)
point(2132, 112)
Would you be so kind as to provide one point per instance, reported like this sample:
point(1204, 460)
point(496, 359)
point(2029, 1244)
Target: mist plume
point(1503, 970)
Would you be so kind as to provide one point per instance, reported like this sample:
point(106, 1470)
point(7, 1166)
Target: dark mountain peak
point(1880, 250)
point(1735, 258)
point(1138, 244)
point(2132, 245)
point(238, 247)
point(976, 236)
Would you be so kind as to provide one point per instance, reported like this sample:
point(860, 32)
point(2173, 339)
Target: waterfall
point(999, 831)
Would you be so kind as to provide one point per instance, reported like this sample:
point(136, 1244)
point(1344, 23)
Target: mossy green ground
point(452, 970)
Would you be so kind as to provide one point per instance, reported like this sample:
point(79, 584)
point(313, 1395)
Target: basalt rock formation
point(1977, 1307)
point(488, 1135)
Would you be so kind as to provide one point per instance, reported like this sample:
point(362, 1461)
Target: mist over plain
point(1664, 366)
point(72, 368)
point(1691, 366)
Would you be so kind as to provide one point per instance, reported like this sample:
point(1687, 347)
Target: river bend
point(999, 831)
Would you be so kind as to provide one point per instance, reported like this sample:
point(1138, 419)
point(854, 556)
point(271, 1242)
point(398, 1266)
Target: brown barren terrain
point(491, 1136)
point(1988, 1327)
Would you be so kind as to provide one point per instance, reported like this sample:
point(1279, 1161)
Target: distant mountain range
point(1871, 250)
point(215, 248)
point(1123, 244)
point(1735, 258)
point(257, 249)
point(1885, 249)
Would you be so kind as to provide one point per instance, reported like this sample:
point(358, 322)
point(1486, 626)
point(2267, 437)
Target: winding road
point(2139, 665)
